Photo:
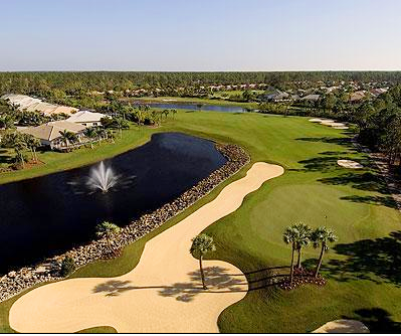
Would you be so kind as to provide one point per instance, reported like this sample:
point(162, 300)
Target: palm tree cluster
point(20, 143)
point(301, 235)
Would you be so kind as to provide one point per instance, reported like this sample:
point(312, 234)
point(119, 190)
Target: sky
point(200, 35)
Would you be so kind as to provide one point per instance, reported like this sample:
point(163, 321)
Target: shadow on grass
point(387, 201)
point(377, 260)
point(343, 141)
point(369, 181)
point(377, 320)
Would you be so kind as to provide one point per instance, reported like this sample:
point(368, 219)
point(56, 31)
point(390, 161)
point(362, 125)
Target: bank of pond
point(51, 214)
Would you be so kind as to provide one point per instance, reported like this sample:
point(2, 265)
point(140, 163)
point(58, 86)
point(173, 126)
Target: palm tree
point(290, 237)
point(32, 143)
point(322, 237)
point(202, 245)
point(108, 231)
point(302, 239)
point(91, 134)
point(68, 137)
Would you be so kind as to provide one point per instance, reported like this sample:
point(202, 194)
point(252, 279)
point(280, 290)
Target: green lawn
point(361, 268)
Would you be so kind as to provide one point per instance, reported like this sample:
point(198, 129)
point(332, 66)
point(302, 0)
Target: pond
point(194, 106)
point(47, 215)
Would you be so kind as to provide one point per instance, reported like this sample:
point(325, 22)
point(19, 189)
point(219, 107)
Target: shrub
point(67, 266)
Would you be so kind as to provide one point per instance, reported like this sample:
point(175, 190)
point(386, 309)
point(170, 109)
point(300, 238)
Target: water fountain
point(102, 178)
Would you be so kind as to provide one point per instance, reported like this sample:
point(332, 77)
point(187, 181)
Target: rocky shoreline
point(17, 281)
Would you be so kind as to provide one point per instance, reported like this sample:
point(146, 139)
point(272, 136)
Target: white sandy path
point(162, 294)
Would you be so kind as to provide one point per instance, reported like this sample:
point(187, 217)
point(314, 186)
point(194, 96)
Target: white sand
point(349, 164)
point(343, 327)
point(330, 122)
point(162, 294)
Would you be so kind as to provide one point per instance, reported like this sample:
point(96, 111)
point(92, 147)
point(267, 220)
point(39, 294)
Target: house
point(357, 96)
point(277, 96)
point(311, 97)
point(50, 134)
point(87, 119)
point(378, 91)
point(36, 105)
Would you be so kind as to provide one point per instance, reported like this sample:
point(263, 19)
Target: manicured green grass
point(361, 268)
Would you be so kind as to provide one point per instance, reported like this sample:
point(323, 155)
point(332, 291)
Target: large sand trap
point(349, 164)
point(162, 294)
point(343, 327)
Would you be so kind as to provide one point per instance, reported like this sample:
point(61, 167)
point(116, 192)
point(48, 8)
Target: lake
point(193, 106)
point(48, 215)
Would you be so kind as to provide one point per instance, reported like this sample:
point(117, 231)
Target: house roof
point(313, 97)
point(65, 110)
point(51, 130)
point(357, 96)
point(85, 116)
point(32, 105)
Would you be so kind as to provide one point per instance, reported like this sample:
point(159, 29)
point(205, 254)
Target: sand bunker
point(162, 294)
point(343, 327)
point(349, 164)
point(330, 122)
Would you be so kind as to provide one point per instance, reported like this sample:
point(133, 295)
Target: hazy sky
point(200, 35)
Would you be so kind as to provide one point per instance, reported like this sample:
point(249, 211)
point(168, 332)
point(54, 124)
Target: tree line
point(379, 124)
point(57, 85)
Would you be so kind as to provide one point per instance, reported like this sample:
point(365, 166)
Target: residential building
point(87, 119)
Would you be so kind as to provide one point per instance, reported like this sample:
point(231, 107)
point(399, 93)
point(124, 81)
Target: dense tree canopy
point(57, 85)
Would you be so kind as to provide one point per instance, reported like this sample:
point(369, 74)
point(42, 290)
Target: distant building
point(357, 96)
point(311, 97)
point(86, 118)
point(277, 96)
point(50, 134)
point(36, 105)
point(378, 91)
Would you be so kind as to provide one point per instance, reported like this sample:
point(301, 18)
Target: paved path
point(162, 294)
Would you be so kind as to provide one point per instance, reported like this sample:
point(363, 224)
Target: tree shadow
point(334, 153)
point(342, 141)
point(377, 260)
point(368, 181)
point(387, 201)
point(217, 279)
point(113, 287)
point(319, 164)
point(377, 320)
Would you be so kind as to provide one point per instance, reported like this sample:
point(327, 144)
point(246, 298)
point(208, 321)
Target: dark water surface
point(194, 106)
point(51, 214)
